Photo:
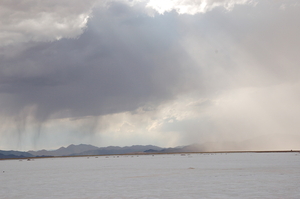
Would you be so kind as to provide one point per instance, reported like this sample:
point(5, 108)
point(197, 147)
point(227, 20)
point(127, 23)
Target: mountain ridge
point(264, 143)
point(86, 149)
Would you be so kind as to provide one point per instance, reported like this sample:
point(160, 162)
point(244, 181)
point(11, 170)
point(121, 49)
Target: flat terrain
point(194, 175)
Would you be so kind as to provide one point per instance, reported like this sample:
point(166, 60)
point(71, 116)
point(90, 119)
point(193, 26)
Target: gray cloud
point(117, 64)
point(48, 20)
point(125, 59)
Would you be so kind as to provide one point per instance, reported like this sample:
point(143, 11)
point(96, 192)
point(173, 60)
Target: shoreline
point(143, 153)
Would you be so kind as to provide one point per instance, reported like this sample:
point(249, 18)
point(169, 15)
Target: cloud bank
point(148, 72)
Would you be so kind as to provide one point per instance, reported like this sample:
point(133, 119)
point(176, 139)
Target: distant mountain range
point(258, 144)
point(119, 150)
point(65, 151)
point(79, 150)
point(84, 149)
point(14, 154)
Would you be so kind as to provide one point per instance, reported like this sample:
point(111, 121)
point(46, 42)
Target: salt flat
point(232, 175)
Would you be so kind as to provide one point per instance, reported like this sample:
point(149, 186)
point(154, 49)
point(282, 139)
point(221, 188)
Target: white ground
point(244, 175)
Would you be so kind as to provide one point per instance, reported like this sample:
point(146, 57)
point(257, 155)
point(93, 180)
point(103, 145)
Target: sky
point(161, 72)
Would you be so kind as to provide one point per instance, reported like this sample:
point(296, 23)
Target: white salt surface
point(241, 175)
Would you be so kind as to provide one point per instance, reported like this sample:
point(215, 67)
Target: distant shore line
point(158, 153)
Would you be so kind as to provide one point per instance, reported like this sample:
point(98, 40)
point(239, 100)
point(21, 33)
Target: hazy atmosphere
point(161, 72)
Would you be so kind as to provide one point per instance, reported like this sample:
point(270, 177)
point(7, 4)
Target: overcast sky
point(161, 72)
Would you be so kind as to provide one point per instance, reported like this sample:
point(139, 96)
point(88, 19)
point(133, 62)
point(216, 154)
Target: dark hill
point(119, 150)
point(16, 153)
point(65, 151)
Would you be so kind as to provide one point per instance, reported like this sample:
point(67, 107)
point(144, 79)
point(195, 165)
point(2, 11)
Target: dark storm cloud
point(241, 57)
point(123, 60)
point(126, 59)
